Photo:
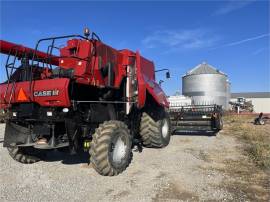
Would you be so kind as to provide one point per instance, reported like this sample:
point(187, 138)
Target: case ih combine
point(89, 96)
point(85, 95)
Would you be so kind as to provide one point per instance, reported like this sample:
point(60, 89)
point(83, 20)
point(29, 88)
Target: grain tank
point(206, 85)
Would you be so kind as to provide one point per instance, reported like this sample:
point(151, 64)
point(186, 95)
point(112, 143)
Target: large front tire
point(110, 151)
point(155, 133)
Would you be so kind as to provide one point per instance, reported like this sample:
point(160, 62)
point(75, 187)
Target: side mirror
point(167, 72)
point(168, 75)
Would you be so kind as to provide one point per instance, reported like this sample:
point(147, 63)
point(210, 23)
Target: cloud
point(247, 40)
point(231, 6)
point(180, 39)
point(235, 43)
point(258, 51)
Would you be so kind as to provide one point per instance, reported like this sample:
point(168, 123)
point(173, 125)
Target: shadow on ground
point(66, 157)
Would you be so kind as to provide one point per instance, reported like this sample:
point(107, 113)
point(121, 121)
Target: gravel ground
point(189, 169)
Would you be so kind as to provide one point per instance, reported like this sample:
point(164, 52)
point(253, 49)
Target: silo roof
point(204, 68)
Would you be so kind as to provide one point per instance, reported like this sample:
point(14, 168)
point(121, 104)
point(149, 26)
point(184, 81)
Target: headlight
point(14, 113)
point(49, 113)
point(65, 110)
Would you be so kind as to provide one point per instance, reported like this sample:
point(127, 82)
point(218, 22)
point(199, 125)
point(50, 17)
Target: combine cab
point(83, 95)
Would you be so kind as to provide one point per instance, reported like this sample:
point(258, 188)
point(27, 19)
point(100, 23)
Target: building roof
point(251, 95)
point(204, 68)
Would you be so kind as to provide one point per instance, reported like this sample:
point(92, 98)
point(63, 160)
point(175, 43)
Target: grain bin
point(206, 85)
point(228, 88)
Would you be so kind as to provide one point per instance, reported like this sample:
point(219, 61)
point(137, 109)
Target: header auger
point(83, 95)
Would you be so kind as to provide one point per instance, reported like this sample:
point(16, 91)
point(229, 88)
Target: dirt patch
point(186, 141)
point(246, 182)
point(87, 165)
point(171, 191)
point(121, 195)
point(108, 192)
point(199, 154)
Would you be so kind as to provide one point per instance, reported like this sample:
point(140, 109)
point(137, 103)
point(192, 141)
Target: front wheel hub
point(165, 128)
point(119, 150)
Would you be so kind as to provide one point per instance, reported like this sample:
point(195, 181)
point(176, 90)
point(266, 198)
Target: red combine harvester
point(87, 97)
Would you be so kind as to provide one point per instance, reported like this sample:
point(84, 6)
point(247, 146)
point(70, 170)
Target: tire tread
point(150, 132)
point(100, 147)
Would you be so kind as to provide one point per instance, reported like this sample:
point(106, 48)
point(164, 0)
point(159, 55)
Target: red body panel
point(59, 84)
point(88, 58)
point(77, 51)
point(158, 94)
point(147, 83)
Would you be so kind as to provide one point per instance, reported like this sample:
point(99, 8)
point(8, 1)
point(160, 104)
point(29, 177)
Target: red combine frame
point(84, 95)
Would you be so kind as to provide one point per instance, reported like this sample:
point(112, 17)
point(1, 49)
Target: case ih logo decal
point(46, 93)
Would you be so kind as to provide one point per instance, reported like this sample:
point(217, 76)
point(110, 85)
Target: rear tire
point(155, 133)
point(24, 155)
point(110, 151)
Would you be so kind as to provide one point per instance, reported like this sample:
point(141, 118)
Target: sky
point(232, 35)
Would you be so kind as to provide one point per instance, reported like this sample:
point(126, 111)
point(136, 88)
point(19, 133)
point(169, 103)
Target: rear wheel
point(155, 133)
point(110, 149)
point(26, 155)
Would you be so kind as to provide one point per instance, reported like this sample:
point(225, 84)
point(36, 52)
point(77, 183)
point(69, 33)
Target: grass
point(255, 137)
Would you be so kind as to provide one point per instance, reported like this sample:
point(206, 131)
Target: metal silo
point(206, 85)
point(228, 87)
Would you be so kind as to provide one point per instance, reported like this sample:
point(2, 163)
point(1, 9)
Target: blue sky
point(233, 36)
